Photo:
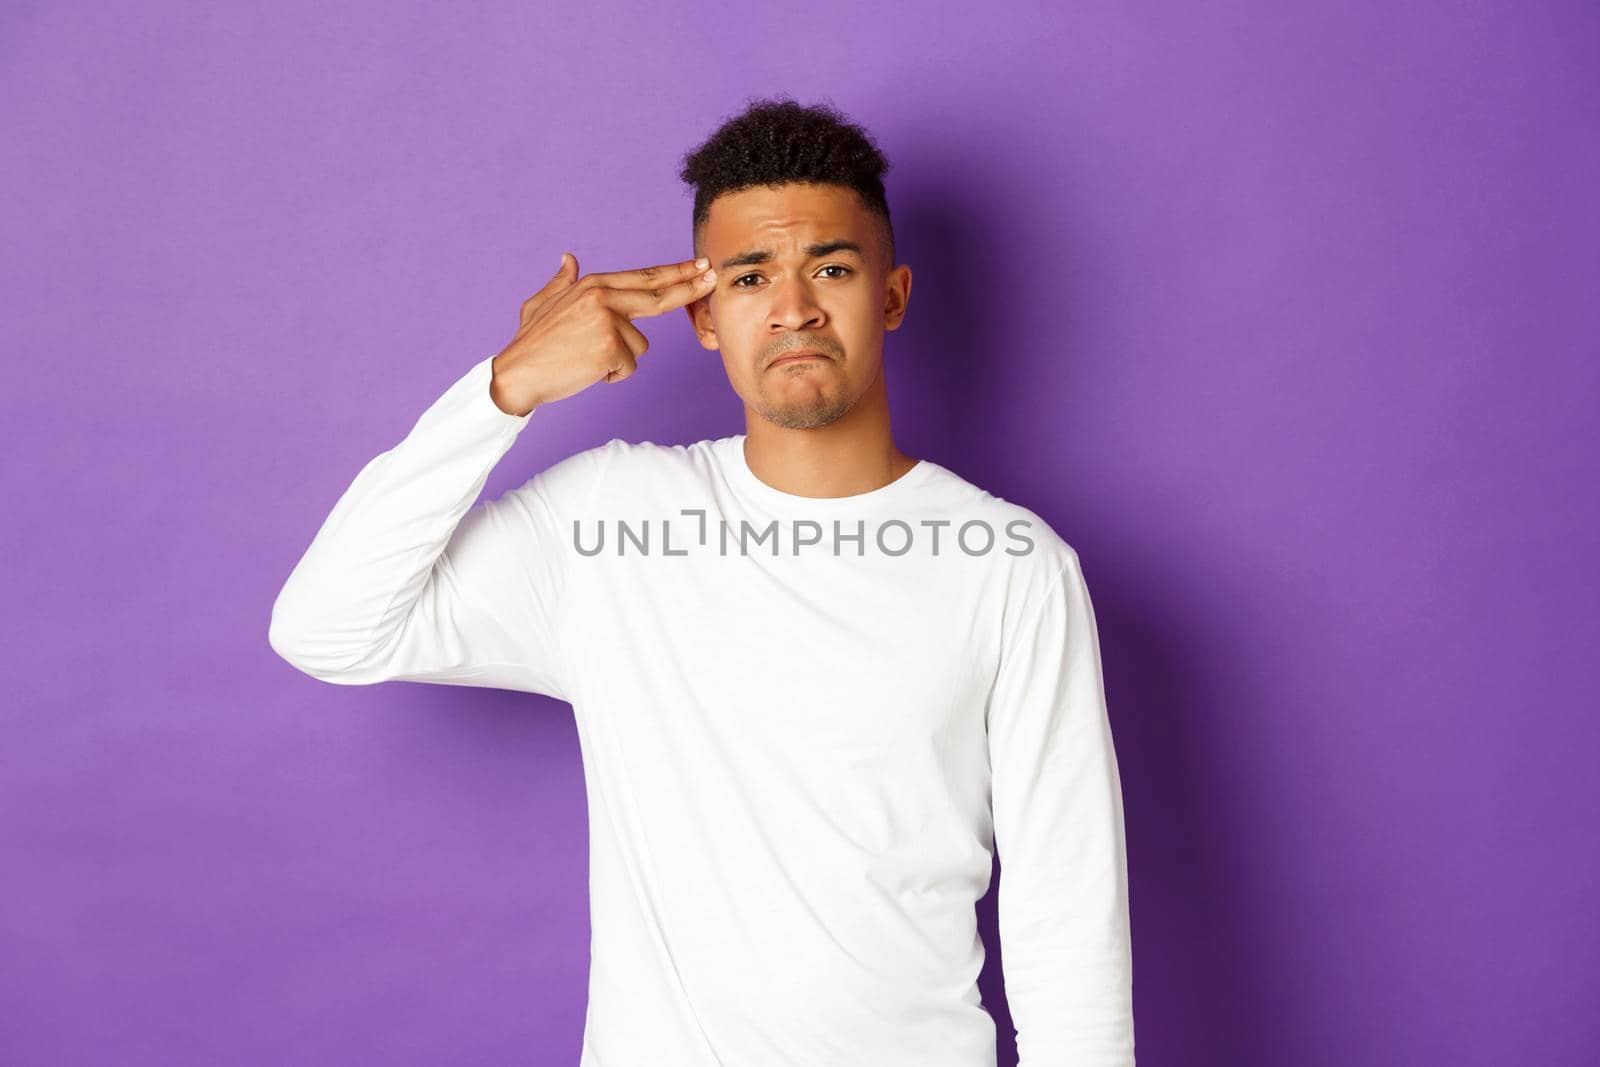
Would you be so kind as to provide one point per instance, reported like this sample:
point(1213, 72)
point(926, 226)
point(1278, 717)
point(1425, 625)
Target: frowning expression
point(803, 296)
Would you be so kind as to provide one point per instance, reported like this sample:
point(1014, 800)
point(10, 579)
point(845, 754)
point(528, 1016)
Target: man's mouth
point(793, 357)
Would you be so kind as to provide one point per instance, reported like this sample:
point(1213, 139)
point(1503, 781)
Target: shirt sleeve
point(1058, 821)
point(407, 580)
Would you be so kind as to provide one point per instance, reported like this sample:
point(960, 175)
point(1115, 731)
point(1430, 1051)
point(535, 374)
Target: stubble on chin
point(819, 410)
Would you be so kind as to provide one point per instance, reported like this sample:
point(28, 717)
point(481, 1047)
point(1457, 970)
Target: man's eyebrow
point(762, 255)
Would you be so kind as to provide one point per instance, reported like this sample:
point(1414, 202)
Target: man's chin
point(805, 416)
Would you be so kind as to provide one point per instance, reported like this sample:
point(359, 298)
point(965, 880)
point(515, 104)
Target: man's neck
point(847, 457)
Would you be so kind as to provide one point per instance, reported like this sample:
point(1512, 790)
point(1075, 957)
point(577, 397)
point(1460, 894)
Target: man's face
point(800, 267)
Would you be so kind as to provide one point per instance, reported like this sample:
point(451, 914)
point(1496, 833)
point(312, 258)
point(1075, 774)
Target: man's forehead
point(814, 220)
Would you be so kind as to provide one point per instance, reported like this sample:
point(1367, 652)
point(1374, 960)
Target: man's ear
point(896, 295)
point(700, 322)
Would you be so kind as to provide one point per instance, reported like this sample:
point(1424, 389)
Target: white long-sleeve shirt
point(804, 723)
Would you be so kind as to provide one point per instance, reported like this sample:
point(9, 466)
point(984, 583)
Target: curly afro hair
point(777, 141)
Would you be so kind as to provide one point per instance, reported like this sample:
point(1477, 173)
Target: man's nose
point(794, 307)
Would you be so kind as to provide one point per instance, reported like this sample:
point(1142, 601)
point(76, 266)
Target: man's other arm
point(1058, 820)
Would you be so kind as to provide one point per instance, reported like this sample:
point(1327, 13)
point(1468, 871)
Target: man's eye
point(830, 266)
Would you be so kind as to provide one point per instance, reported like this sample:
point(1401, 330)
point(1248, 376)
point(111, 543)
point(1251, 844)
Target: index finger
point(649, 277)
point(653, 301)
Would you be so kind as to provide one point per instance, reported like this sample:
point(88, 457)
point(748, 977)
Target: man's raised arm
point(406, 580)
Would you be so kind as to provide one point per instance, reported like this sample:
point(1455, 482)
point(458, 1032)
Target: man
point(816, 681)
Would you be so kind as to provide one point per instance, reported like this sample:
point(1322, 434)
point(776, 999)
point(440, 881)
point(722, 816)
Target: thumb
point(563, 279)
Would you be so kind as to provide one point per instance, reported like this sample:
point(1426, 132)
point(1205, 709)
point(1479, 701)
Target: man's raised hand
point(578, 331)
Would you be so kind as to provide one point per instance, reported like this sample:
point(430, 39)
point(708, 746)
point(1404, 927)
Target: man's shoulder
point(632, 466)
point(648, 452)
point(1035, 560)
point(647, 460)
point(1027, 531)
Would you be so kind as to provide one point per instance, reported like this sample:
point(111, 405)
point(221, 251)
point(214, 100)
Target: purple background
point(1285, 316)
